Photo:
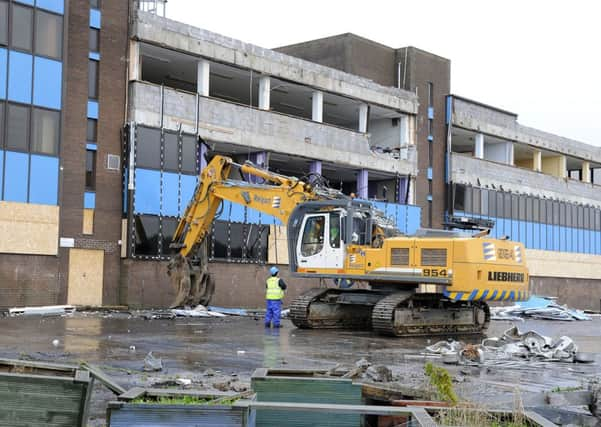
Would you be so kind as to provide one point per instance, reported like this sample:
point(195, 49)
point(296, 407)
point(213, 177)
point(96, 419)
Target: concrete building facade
point(111, 159)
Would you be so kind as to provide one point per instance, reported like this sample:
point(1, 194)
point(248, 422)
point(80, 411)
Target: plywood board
point(123, 238)
point(85, 277)
point(28, 228)
point(563, 264)
point(277, 251)
point(88, 221)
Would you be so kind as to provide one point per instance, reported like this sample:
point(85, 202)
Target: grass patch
point(471, 417)
point(442, 381)
point(179, 400)
point(560, 389)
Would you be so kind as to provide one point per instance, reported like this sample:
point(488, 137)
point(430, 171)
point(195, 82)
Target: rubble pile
point(511, 345)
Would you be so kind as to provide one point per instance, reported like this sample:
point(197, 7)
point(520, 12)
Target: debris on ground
point(512, 344)
point(152, 363)
point(537, 307)
point(48, 310)
point(379, 374)
point(198, 311)
point(228, 311)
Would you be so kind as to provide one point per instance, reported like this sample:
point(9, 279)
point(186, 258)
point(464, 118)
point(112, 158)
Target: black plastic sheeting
point(230, 241)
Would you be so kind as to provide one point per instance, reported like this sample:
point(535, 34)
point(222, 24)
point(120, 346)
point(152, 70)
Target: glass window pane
point(57, 6)
point(92, 79)
point(19, 77)
point(49, 34)
point(90, 170)
point(148, 148)
point(47, 83)
point(147, 235)
point(22, 27)
point(92, 130)
point(94, 40)
point(459, 200)
point(18, 128)
point(189, 154)
point(3, 22)
point(492, 203)
point(95, 4)
point(171, 152)
point(312, 241)
point(46, 125)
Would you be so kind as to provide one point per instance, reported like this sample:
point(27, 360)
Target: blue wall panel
point(169, 205)
point(16, 175)
point(30, 2)
point(188, 185)
point(43, 180)
point(57, 6)
point(148, 187)
point(19, 77)
point(89, 200)
point(3, 72)
point(47, 83)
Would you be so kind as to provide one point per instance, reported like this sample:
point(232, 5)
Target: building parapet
point(226, 122)
point(483, 173)
point(481, 118)
point(171, 34)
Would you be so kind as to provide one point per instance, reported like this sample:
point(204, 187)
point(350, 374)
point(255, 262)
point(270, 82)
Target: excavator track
point(332, 308)
point(299, 310)
point(382, 318)
point(469, 318)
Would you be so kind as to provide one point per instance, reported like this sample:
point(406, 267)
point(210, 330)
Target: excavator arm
point(277, 195)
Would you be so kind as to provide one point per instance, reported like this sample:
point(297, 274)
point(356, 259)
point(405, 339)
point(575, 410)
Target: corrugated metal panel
point(41, 401)
point(306, 390)
point(434, 257)
point(144, 415)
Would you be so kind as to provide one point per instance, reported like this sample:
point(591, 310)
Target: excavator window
point(312, 242)
point(335, 230)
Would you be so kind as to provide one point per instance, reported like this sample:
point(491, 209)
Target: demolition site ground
point(222, 353)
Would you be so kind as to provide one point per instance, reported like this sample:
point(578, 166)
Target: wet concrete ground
point(238, 345)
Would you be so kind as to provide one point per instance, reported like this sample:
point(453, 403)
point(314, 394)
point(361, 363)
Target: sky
point(539, 59)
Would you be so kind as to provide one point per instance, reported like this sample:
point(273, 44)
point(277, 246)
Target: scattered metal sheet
point(48, 310)
point(537, 307)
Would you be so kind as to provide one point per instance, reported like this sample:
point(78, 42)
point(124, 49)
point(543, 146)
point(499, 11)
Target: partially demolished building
point(147, 100)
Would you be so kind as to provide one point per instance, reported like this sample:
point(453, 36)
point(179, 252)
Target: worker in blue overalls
point(274, 294)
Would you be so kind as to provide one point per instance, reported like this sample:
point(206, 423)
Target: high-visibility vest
point(274, 291)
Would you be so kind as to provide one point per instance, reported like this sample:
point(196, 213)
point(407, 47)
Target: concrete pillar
point(317, 106)
point(315, 166)
point(363, 184)
point(135, 61)
point(202, 78)
point(510, 154)
point(264, 92)
point(201, 156)
point(479, 146)
point(563, 167)
point(537, 160)
point(260, 159)
point(586, 171)
point(363, 117)
point(404, 130)
point(411, 199)
point(402, 183)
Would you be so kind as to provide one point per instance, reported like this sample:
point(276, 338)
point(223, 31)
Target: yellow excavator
point(436, 282)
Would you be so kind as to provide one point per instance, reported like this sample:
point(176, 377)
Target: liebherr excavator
point(436, 282)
